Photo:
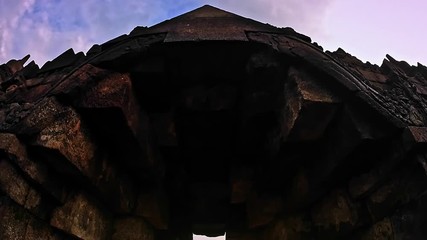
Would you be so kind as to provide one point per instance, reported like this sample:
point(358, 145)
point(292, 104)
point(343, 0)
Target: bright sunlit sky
point(368, 29)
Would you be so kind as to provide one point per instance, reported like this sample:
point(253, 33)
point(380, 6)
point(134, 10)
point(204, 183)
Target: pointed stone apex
point(209, 11)
point(390, 58)
point(213, 24)
point(17, 65)
point(25, 59)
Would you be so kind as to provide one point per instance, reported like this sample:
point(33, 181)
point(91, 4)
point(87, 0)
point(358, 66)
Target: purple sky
point(365, 28)
point(368, 29)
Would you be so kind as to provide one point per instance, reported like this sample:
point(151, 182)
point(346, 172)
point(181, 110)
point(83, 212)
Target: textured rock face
point(157, 135)
point(17, 223)
point(83, 218)
point(132, 228)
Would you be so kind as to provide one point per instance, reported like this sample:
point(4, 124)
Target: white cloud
point(305, 16)
point(371, 29)
point(46, 28)
point(11, 12)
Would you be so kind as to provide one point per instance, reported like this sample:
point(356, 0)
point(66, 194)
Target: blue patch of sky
point(181, 7)
point(177, 8)
point(58, 20)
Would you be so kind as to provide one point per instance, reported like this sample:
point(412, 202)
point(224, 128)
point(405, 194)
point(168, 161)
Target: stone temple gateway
point(211, 123)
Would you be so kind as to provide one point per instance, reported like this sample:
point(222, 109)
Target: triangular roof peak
point(208, 11)
point(212, 23)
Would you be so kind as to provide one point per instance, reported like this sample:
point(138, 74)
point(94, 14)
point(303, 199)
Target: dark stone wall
point(266, 139)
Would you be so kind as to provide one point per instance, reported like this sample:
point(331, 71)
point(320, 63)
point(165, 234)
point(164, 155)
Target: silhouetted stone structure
point(211, 123)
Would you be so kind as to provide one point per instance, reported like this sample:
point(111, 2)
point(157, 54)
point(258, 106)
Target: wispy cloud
point(12, 13)
point(46, 28)
point(305, 16)
point(368, 29)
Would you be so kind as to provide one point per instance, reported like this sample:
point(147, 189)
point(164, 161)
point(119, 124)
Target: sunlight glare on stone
point(201, 237)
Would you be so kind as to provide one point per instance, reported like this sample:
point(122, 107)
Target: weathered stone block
point(14, 185)
point(13, 221)
point(37, 117)
point(405, 186)
point(341, 149)
point(11, 183)
point(261, 209)
point(66, 59)
point(154, 207)
point(414, 137)
point(113, 96)
point(17, 224)
point(132, 228)
point(335, 215)
point(383, 166)
point(115, 91)
point(36, 170)
point(70, 136)
point(83, 217)
point(409, 221)
point(83, 78)
point(306, 100)
point(295, 228)
point(382, 230)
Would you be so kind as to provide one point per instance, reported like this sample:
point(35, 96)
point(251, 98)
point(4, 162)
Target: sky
point(197, 237)
point(367, 29)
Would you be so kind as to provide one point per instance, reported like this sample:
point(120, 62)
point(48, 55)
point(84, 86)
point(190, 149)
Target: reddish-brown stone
point(132, 228)
point(382, 230)
point(262, 209)
point(293, 227)
point(72, 139)
point(17, 224)
point(154, 208)
point(83, 217)
point(335, 215)
point(36, 170)
point(18, 189)
point(414, 136)
point(306, 99)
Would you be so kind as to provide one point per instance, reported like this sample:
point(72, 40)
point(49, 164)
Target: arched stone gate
point(211, 123)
